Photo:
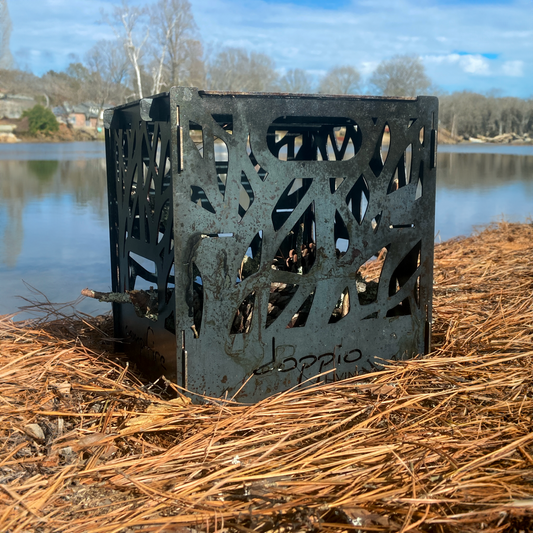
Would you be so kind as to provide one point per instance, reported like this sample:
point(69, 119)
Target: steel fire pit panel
point(139, 178)
point(303, 240)
point(266, 239)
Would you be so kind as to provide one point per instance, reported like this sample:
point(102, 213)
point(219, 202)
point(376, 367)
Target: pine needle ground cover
point(441, 443)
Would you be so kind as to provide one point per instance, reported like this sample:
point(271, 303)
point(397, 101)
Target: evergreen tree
point(41, 119)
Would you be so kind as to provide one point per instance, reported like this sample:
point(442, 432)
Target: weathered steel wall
point(138, 153)
point(277, 201)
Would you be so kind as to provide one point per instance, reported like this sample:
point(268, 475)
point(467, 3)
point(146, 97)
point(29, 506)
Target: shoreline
point(39, 139)
point(9, 135)
point(445, 137)
point(88, 138)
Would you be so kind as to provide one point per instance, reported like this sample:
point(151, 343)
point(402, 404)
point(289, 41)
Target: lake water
point(54, 228)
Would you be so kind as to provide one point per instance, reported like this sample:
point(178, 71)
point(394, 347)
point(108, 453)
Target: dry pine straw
point(439, 443)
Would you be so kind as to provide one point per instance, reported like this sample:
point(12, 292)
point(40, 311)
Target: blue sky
point(478, 45)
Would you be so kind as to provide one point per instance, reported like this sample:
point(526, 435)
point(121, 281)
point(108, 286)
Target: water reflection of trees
point(44, 170)
point(471, 171)
point(28, 180)
point(22, 182)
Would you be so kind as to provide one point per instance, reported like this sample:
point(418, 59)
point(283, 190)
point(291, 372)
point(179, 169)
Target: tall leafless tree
point(341, 80)
point(70, 86)
point(233, 69)
point(131, 30)
point(173, 26)
point(402, 75)
point(296, 80)
point(195, 64)
point(6, 59)
point(108, 68)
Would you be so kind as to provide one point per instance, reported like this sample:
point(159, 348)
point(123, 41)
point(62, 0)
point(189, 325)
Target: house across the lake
point(85, 115)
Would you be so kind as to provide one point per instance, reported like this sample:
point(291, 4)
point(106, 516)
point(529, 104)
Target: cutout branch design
point(268, 220)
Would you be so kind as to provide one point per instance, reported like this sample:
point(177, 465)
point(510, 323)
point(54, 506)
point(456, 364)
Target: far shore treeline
point(152, 49)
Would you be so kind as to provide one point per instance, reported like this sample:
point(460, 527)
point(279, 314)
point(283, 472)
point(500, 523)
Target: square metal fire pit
point(269, 238)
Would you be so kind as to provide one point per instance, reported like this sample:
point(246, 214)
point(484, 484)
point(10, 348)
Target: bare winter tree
point(174, 28)
point(296, 80)
point(196, 65)
point(6, 59)
point(108, 68)
point(68, 86)
point(402, 75)
point(340, 80)
point(19, 81)
point(467, 114)
point(79, 81)
point(129, 26)
point(233, 69)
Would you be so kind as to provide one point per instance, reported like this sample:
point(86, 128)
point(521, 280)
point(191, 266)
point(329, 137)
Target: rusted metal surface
point(277, 202)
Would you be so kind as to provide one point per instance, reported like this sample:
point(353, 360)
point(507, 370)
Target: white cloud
point(475, 64)
point(367, 67)
point(360, 33)
point(470, 63)
point(238, 43)
point(513, 68)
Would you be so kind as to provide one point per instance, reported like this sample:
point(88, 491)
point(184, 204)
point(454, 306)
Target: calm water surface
point(54, 227)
